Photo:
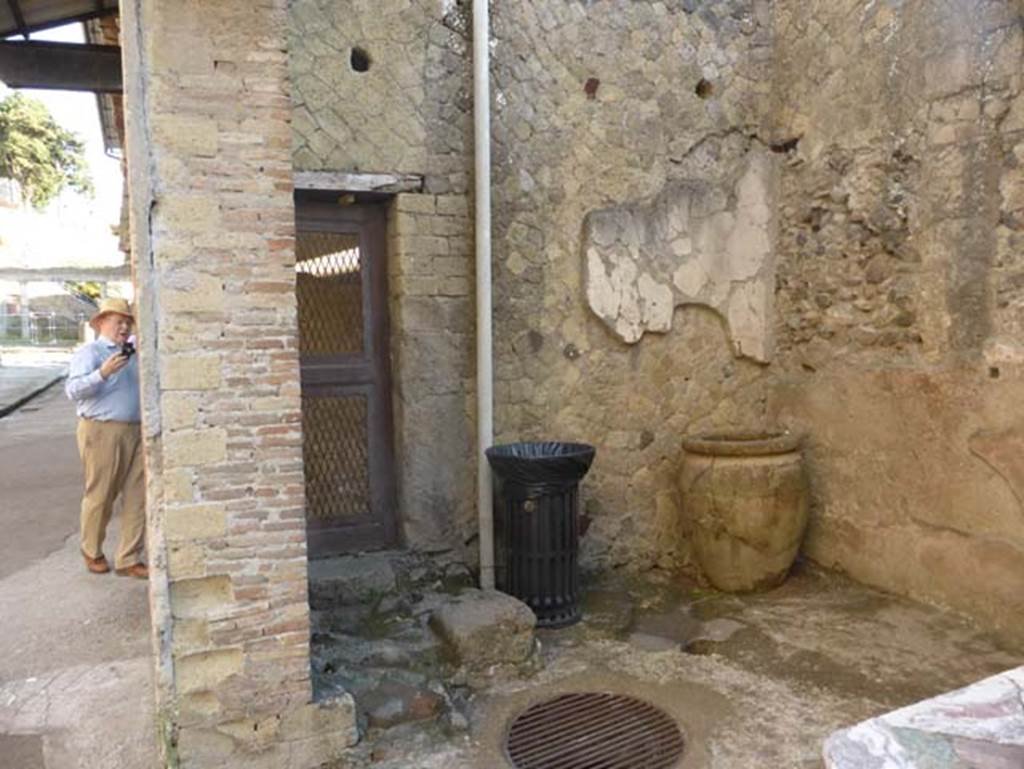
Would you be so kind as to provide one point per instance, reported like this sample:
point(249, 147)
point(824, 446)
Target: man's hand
point(112, 365)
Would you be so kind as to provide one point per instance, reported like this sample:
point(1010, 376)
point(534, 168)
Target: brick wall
point(209, 150)
point(431, 287)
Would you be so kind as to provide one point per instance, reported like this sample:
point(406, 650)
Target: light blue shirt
point(106, 400)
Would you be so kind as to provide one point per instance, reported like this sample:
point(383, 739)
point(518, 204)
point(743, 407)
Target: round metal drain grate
point(594, 730)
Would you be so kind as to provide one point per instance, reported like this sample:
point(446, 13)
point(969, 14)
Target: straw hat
point(109, 306)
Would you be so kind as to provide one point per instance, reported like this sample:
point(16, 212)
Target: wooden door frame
point(372, 371)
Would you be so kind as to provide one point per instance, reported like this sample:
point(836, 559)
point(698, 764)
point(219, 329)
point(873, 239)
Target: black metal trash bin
point(537, 524)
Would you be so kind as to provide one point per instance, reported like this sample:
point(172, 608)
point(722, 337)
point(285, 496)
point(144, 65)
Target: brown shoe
point(96, 565)
point(137, 570)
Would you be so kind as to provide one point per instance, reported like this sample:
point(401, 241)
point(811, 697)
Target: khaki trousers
point(111, 455)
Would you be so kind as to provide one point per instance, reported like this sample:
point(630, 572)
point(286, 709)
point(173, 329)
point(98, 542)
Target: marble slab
point(978, 727)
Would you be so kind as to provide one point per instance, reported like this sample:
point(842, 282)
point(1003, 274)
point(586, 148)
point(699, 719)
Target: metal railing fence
point(40, 329)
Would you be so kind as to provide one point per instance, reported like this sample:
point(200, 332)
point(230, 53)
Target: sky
point(74, 230)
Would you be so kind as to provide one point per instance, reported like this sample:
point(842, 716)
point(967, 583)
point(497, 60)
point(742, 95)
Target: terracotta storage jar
point(746, 500)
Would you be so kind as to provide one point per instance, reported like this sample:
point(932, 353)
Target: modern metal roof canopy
point(20, 17)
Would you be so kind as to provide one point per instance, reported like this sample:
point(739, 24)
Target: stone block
point(453, 205)
point(178, 485)
point(350, 580)
point(395, 702)
point(186, 213)
point(336, 716)
point(412, 264)
point(178, 410)
point(191, 635)
point(182, 334)
point(195, 522)
point(417, 286)
point(170, 251)
point(173, 49)
point(198, 747)
point(416, 204)
point(190, 372)
point(198, 706)
point(189, 135)
point(429, 314)
point(195, 447)
point(206, 670)
point(185, 559)
point(454, 287)
point(458, 230)
point(425, 245)
point(322, 749)
point(436, 356)
point(205, 293)
point(482, 628)
point(453, 266)
point(195, 597)
point(253, 733)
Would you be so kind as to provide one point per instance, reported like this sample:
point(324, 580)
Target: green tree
point(89, 290)
point(37, 153)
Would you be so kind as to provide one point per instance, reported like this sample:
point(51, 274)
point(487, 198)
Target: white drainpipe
point(484, 351)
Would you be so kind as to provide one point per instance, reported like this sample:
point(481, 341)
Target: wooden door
point(348, 454)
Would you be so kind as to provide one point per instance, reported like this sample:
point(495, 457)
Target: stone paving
point(26, 372)
point(753, 681)
point(75, 665)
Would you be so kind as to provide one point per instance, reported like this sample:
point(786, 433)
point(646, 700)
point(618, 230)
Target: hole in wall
point(993, 372)
point(704, 89)
point(787, 145)
point(360, 60)
point(590, 87)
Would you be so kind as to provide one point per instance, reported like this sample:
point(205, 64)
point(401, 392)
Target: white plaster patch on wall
point(601, 294)
point(690, 278)
point(694, 244)
point(748, 310)
point(656, 304)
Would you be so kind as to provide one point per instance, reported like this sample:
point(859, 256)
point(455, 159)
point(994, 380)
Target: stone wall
point(212, 237)
point(707, 215)
point(900, 290)
point(431, 285)
point(385, 87)
point(596, 106)
point(623, 134)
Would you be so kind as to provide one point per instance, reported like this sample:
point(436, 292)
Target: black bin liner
point(537, 525)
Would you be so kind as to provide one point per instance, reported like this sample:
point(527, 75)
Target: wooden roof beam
point(19, 17)
point(63, 66)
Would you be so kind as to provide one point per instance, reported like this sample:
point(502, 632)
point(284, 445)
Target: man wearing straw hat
point(103, 381)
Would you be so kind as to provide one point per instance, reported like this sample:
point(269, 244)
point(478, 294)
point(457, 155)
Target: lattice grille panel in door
point(329, 288)
point(336, 458)
point(341, 289)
